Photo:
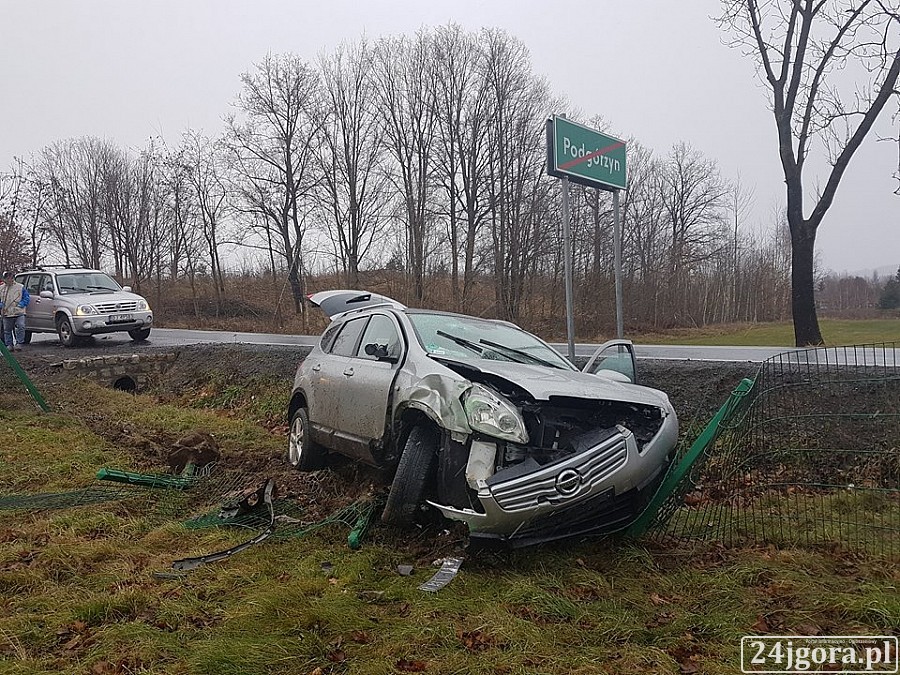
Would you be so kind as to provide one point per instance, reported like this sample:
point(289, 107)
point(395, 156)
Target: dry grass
point(78, 592)
point(257, 303)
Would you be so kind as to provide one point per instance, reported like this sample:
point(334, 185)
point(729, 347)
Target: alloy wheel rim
point(295, 444)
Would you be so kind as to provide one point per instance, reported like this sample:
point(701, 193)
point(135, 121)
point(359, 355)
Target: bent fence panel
point(809, 456)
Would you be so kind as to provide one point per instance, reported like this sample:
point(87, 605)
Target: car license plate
point(120, 318)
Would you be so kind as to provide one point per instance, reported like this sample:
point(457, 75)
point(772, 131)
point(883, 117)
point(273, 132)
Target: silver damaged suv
point(77, 303)
point(480, 420)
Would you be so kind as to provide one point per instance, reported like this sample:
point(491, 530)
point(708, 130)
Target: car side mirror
point(127, 289)
point(380, 352)
point(46, 294)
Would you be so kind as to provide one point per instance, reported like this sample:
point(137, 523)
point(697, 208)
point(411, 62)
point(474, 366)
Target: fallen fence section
point(170, 497)
point(809, 456)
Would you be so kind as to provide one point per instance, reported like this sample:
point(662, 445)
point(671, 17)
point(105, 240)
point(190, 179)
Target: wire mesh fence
point(212, 497)
point(809, 456)
point(156, 494)
point(808, 453)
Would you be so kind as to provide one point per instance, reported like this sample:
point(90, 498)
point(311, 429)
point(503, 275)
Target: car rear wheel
point(302, 453)
point(64, 330)
point(414, 472)
point(26, 339)
point(139, 334)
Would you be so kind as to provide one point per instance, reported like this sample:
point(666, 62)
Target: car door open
point(615, 360)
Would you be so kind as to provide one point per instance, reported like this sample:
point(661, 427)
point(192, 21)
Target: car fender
point(62, 309)
point(438, 398)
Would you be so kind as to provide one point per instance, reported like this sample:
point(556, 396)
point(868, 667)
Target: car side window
point(47, 284)
point(328, 336)
point(33, 283)
point(617, 358)
point(345, 342)
point(381, 331)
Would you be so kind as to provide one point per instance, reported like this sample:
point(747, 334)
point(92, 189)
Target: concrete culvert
point(125, 383)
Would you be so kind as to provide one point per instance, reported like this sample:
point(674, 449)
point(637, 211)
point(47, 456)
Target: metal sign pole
point(585, 156)
point(617, 250)
point(567, 254)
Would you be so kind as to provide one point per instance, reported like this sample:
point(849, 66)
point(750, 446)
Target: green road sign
point(585, 156)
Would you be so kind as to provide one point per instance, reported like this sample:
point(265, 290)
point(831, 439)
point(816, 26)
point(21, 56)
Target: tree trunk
point(296, 287)
point(803, 301)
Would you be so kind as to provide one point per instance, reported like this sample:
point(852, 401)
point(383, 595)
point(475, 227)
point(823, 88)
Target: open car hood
point(340, 301)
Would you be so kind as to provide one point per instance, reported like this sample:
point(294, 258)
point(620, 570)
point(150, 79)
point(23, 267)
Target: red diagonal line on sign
point(591, 155)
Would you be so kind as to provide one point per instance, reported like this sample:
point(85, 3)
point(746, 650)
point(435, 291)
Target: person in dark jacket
point(14, 301)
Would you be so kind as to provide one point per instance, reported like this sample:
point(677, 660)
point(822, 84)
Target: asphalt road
point(869, 356)
point(171, 337)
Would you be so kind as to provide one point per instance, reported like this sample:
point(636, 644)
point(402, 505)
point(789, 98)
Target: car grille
point(115, 307)
point(593, 466)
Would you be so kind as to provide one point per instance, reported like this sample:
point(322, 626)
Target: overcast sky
point(658, 71)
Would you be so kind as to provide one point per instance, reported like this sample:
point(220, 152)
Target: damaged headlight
point(490, 414)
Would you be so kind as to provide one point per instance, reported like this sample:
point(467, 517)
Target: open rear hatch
point(338, 302)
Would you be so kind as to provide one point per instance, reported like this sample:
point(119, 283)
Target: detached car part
point(264, 494)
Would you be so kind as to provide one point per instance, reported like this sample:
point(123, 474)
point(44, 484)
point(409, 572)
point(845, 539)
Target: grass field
point(834, 332)
point(79, 594)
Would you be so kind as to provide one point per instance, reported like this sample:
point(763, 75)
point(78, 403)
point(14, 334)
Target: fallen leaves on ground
point(411, 666)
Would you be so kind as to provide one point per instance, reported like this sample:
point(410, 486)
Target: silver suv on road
point(76, 303)
point(478, 419)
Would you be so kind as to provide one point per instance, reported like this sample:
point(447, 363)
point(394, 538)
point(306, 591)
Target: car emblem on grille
point(568, 481)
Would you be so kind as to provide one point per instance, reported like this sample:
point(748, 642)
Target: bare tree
point(135, 213)
point(13, 244)
point(273, 143)
point(808, 52)
point(519, 191)
point(462, 100)
point(695, 199)
point(15, 252)
point(740, 202)
point(351, 157)
point(406, 98)
point(75, 170)
point(185, 238)
point(202, 159)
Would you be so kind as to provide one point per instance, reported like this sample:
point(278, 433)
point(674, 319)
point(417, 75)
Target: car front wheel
point(139, 334)
point(414, 472)
point(64, 330)
point(303, 453)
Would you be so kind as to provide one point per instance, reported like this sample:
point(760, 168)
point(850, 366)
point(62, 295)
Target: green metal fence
point(23, 377)
point(808, 455)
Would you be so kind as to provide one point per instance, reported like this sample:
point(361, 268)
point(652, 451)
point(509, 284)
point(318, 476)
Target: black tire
point(414, 472)
point(302, 453)
point(64, 330)
point(139, 334)
point(26, 339)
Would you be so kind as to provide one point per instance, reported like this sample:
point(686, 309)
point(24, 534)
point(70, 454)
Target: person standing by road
point(14, 301)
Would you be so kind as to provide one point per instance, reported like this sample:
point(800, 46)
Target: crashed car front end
point(484, 422)
point(552, 455)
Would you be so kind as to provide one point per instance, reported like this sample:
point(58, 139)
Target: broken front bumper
point(595, 491)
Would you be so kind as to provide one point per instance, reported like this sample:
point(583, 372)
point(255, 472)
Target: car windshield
point(469, 339)
point(86, 282)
